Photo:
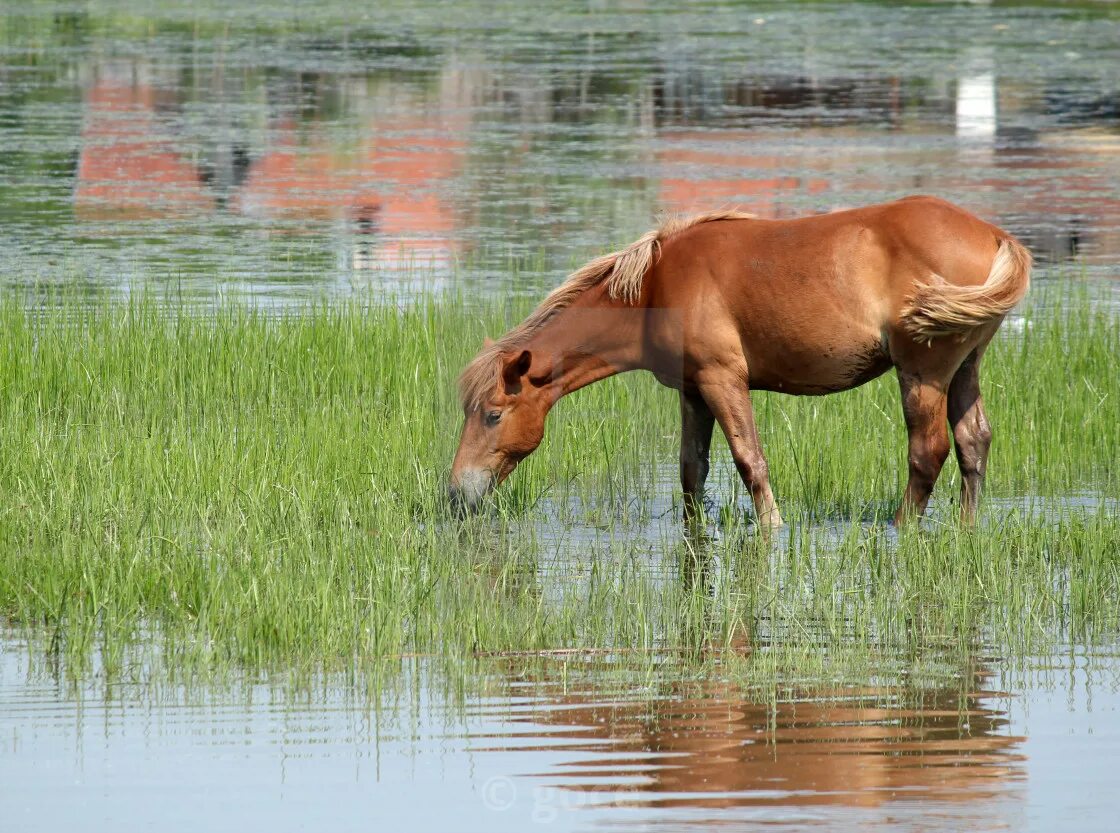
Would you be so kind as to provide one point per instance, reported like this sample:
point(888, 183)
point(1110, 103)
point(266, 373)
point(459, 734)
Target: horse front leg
point(729, 400)
point(696, 440)
point(924, 407)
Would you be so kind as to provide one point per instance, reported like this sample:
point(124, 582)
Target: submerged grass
point(260, 490)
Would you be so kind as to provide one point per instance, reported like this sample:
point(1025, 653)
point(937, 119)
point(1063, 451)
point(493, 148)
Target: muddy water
point(562, 748)
point(234, 148)
point(281, 153)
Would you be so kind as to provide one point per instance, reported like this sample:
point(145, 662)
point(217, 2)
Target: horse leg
point(696, 439)
point(971, 432)
point(924, 407)
point(730, 403)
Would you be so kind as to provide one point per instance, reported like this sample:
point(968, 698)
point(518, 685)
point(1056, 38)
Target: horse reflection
point(710, 745)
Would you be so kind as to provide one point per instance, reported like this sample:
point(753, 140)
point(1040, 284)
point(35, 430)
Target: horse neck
point(595, 337)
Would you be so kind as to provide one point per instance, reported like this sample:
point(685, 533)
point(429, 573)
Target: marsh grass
point(230, 487)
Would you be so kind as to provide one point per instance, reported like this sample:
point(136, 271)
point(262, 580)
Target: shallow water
point(281, 153)
point(565, 748)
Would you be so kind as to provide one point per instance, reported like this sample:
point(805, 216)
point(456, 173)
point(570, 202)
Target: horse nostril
point(461, 504)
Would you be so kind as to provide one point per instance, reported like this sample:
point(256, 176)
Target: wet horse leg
point(696, 438)
point(730, 402)
point(971, 432)
point(924, 407)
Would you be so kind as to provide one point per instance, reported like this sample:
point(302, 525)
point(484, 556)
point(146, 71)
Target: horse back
point(812, 304)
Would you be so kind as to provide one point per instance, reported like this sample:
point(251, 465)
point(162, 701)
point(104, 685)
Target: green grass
point(235, 489)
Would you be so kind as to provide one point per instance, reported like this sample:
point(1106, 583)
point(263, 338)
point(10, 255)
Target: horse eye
point(492, 417)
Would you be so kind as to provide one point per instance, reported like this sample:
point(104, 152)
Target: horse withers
point(719, 303)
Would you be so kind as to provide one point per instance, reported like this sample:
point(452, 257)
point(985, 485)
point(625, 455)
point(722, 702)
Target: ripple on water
point(567, 739)
point(277, 157)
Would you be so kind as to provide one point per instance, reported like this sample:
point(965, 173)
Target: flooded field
point(230, 594)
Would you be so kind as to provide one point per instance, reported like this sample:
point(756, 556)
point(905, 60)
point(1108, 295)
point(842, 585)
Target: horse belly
point(821, 366)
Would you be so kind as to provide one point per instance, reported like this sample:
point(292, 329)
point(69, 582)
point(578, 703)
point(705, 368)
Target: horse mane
point(621, 271)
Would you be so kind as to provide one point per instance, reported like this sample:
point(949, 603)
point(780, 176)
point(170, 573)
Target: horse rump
point(942, 309)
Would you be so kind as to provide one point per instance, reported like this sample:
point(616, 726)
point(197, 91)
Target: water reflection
point(130, 166)
point(284, 156)
point(381, 185)
point(712, 745)
point(737, 167)
point(575, 742)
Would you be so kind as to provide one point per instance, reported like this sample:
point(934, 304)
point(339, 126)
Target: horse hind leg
point(697, 422)
point(924, 407)
point(972, 435)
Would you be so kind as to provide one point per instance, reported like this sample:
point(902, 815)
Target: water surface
point(278, 153)
point(562, 747)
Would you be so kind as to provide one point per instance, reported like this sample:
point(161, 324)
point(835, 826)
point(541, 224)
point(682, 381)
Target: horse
point(721, 303)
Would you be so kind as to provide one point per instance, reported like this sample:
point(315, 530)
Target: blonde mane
point(621, 271)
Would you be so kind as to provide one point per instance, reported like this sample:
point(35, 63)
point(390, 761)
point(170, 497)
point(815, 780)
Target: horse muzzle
point(467, 489)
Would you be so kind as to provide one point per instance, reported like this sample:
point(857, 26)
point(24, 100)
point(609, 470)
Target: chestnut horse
point(720, 303)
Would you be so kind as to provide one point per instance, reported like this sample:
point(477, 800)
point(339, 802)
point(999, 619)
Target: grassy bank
point(258, 491)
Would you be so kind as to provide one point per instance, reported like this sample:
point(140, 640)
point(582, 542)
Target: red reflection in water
point(129, 166)
point(388, 191)
point(1065, 188)
point(1058, 193)
point(390, 186)
point(720, 168)
point(308, 181)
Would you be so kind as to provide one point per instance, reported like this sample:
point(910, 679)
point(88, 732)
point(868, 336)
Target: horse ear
point(514, 369)
point(487, 342)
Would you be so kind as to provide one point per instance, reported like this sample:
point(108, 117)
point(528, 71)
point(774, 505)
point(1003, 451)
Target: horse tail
point(941, 309)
